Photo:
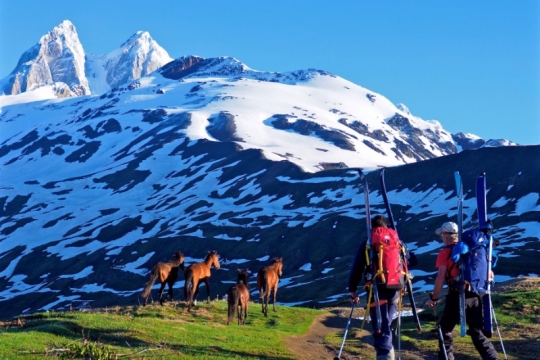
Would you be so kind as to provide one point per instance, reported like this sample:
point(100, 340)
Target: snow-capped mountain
point(139, 56)
point(209, 154)
point(56, 60)
point(59, 61)
point(309, 117)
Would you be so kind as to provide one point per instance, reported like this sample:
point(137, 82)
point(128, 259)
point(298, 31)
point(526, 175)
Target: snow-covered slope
point(311, 118)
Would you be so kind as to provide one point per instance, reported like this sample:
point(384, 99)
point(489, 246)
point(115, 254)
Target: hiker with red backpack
point(448, 271)
point(373, 262)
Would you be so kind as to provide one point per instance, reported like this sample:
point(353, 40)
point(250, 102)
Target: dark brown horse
point(197, 273)
point(167, 274)
point(267, 279)
point(238, 298)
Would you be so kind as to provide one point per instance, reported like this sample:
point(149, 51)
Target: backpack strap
point(380, 270)
point(449, 278)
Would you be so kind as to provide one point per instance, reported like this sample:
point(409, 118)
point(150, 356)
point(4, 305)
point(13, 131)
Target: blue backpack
point(473, 249)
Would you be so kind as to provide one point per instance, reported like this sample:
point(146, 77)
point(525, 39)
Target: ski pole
point(345, 334)
point(399, 323)
point(441, 337)
point(498, 331)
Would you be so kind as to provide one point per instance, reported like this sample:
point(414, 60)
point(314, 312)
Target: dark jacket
point(358, 268)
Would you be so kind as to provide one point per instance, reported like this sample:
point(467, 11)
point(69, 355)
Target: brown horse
point(238, 298)
point(167, 274)
point(197, 273)
point(267, 279)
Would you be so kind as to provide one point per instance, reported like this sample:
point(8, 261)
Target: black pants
point(383, 339)
point(475, 322)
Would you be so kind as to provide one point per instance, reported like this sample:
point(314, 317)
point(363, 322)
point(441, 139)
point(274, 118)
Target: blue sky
point(473, 66)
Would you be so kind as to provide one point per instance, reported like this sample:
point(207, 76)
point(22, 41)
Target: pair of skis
point(484, 224)
point(481, 206)
point(459, 192)
point(369, 245)
point(391, 224)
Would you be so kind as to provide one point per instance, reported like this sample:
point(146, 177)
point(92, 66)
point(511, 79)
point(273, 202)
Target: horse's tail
point(148, 286)
point(188, 291)
point(264, 283)
point(233, 300)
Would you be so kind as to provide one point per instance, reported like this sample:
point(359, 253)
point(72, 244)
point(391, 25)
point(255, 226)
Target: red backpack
point(389, 258)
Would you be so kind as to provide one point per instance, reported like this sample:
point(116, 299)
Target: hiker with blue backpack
point(472, 254)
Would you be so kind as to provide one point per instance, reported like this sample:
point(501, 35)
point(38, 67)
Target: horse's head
point(278, 265)
point(179, 256)
point(213, 259)
point(243, 276)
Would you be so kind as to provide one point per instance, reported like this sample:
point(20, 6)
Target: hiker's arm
point(357, 271)
point(437, 288)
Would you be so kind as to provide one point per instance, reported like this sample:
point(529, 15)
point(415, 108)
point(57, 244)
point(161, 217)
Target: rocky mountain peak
point(140, 37)
point(57, 59)
point(136, 57)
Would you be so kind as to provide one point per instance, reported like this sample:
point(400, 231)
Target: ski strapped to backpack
point(474, 251)
point(460, 280)
point(485, 227)
point(403, 272)
point(369, 255)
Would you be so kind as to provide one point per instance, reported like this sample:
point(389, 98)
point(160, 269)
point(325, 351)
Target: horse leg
point(244, 309)
point(187, 285)
point(262, 298)
point(170, 293)
point(161, 292)
point(196, 285)
point(207, 283)
point(275, 294)
point(239, 309)
point(266, 299)
point(230, 306)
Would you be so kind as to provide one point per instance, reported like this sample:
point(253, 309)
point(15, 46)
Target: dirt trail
point(312, 345)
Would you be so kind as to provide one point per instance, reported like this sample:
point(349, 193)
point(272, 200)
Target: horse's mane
point(209, 255)
point(243, 277)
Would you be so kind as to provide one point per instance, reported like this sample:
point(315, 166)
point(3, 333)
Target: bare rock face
point(57, 58)
point(182, 67)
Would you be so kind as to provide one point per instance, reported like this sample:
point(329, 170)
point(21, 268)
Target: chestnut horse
point(197, 273)
point(238, 298)
point(167, 274)
point(267, 279)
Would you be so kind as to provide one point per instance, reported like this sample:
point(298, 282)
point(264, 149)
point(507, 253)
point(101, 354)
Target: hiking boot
point(389, 356)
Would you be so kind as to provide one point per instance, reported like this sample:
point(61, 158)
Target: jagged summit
point(57, 60)
point(137, 57)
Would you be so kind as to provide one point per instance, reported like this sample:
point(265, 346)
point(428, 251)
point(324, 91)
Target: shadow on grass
point(211, 350)
point(62, 326)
